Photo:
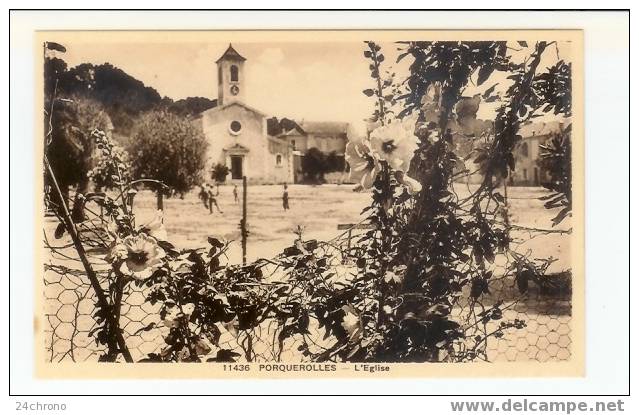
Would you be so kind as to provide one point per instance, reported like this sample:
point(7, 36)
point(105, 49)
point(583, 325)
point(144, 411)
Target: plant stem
point(95, 283)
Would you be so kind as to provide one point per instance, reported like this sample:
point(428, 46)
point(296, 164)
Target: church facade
point(238, 136)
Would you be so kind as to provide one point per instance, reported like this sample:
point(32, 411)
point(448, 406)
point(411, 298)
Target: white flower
point(155, 227)
point(175, 316)
point(395, 143)
point(396, 275)
point(364, 166)
point(352, 323)
point(412, 185)
point(188, 309)
point(143, 256)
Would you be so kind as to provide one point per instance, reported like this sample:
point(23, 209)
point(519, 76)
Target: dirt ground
point(318, 210)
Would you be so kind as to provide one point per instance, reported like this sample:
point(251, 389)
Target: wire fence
point(70, 306)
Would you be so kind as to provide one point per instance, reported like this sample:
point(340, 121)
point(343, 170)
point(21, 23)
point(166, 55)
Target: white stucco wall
point(259, 163)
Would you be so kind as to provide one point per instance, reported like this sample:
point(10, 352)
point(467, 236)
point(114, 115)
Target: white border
point(606, 78)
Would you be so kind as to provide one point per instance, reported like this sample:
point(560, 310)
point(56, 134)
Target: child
point(285, 198)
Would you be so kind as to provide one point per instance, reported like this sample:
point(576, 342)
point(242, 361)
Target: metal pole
point(243, 223)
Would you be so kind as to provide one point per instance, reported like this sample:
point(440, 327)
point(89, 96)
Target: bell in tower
point(230, 75)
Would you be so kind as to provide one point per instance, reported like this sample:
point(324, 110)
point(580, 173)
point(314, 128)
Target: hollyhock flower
point(396, 275)
point(352, 323)
point(412, 185)
point(143, 256)
point(117, 251)
point(364, 166)
point(395, 143)
point(176, 315)
point(155, 227)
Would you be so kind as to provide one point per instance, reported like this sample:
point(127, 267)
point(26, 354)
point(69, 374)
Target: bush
point(314, 166)
point(219, 173)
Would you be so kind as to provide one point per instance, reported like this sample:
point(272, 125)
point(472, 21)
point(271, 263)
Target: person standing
point(285, 198)
point(235, 194)
point(204, 195)
point(212, 200)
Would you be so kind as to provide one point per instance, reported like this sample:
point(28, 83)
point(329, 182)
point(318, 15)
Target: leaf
point(368, 92)
point(489, 91)
point(215, 242)
point(224, 355)
point(484, 73)
point(59, 231)
point(522, 282)
point(146, 328)
point(55, 46)
point(523, 43)
point(561, 215)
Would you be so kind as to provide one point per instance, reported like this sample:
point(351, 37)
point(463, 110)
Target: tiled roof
point(324, 127)
point(231, 54)
point(540, 128)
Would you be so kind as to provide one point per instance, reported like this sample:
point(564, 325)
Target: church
point(238, 134)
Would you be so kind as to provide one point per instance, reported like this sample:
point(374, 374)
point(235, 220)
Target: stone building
point(328, 137)
point(527, 153)
point(239, 139)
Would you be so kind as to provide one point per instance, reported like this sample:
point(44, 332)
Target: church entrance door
point(236, 167)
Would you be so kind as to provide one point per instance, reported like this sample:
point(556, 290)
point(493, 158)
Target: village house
point(238, 136)
point(528, 172)
point(527, 152)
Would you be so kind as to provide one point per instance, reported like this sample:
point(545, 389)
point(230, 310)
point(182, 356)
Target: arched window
point(234, 73)
point(524, 149)
point(278, 160)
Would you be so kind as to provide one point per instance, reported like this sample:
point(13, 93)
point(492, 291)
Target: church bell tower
point(230, 77)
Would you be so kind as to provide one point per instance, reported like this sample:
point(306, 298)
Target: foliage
point(191, 106)
point(555, 158)
point(219, 172)
point(123, 97)
point(314, 165)
point(111, 164)
point(334, 162)
point(68, 146)
point(275, 127)
point(167, 148)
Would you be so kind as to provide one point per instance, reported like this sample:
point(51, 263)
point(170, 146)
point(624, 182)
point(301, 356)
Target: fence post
point(160, 198)
point(243, 222)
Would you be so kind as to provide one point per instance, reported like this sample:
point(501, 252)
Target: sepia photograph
point(307, 203)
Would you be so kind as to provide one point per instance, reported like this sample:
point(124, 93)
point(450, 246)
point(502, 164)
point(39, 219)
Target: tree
point(335, 162)
point(314, 165)
point(68, 150)
point(191, 106)
point(219, 173)
point(167, 148)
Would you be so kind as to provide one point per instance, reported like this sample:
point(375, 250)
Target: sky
point(304, 81)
